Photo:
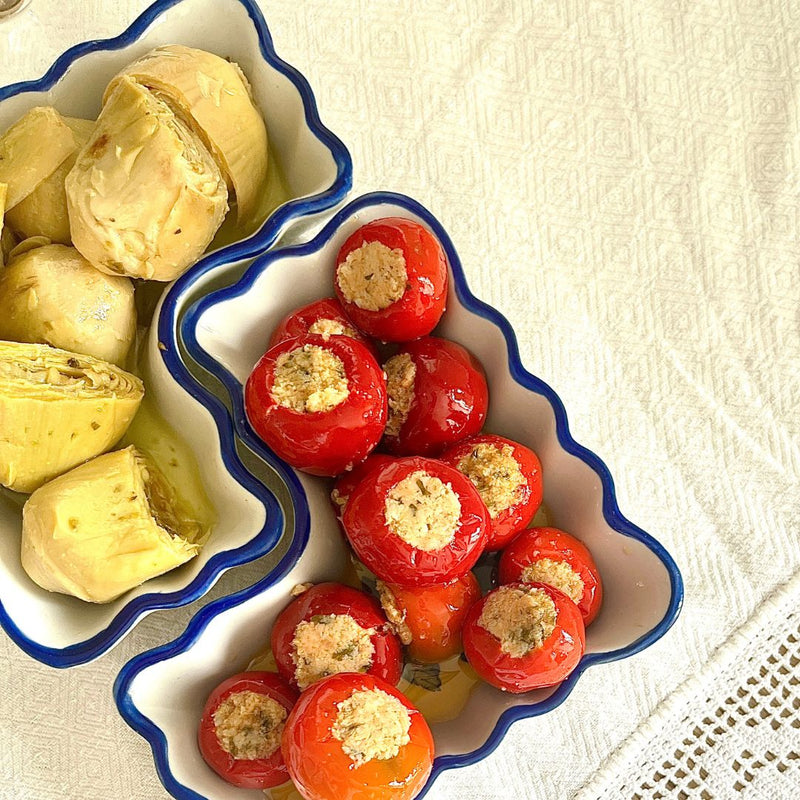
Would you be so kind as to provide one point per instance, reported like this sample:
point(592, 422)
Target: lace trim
point(732, 730)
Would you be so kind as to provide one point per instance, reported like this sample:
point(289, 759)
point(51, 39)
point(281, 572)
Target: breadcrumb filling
point(373, 276)
point(423, 511)
point(328, 644)
point(555, 573)
point(496, 475)
point(371, 724)
point(249, 725)
point(339, 499)
point(401, 372)
point(309, 379)
point(396, 617)
point(331, 327)
point(522, 619)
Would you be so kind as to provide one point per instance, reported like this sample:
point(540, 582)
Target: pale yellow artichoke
point(57, 409)
point(145, 197)
point(104, 528)
point(44, 211)
point(53, 295)
point(214, 96)
point(32, 149)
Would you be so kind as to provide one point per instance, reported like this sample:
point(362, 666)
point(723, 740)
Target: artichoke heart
point(44, 211)
point(54, 296)
point(145, 197)
point(58, 409)
point(214, 96)
point(32, 149)
point(104, 528)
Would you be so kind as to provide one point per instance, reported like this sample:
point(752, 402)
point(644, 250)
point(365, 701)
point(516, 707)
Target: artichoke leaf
point(7, 243)
point(3, 193)
point(58, 409)
point(104, 528)
point(82, 128)
point(144, 197)
point(32, 149)
point(214, 96)
point(26, 245)
point(53, 295)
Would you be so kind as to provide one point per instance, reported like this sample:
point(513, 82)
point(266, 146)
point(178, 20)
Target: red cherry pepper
point(422, 304)
point(256, 773)
point(299, 322)
point(432, 616)
point(509, 521)
point(535, 544)
point(335, 598)
point(320, 442)
point(318, 763)
point(543, 666)
point(449, 402)
point(392, 558)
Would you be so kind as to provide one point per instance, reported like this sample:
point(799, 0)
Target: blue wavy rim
point(154, 735)
point(270, 534)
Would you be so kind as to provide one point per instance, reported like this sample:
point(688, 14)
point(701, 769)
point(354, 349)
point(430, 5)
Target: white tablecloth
point(621, 179)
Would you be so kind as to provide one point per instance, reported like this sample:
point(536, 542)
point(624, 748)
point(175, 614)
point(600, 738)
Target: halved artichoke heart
point(145, 197)
point(104, 528)
point(32, 149)
point(54, 296)
point(44, 211)
point(214, 96)
point(58, 409)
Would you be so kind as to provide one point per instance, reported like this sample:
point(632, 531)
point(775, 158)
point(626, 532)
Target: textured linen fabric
point(620, 178)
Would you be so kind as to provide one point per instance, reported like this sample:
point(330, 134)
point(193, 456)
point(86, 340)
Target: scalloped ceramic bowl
point(316, 174)
point(161, 693)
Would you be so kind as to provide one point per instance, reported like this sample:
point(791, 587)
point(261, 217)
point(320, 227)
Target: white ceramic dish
point(161, 693)
point(62, 631)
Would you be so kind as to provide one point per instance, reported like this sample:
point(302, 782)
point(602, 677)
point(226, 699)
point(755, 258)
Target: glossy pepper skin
point(505, 526)
point(321, 442)
point(301, 319)
point(544, 666)
point(534, 544)
point(391, 558)
point(434, 616)
point(450, 398)
point(336, 598)
point(258, 773)
point(321, 769)
point(347, 482)
point(419, 309)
